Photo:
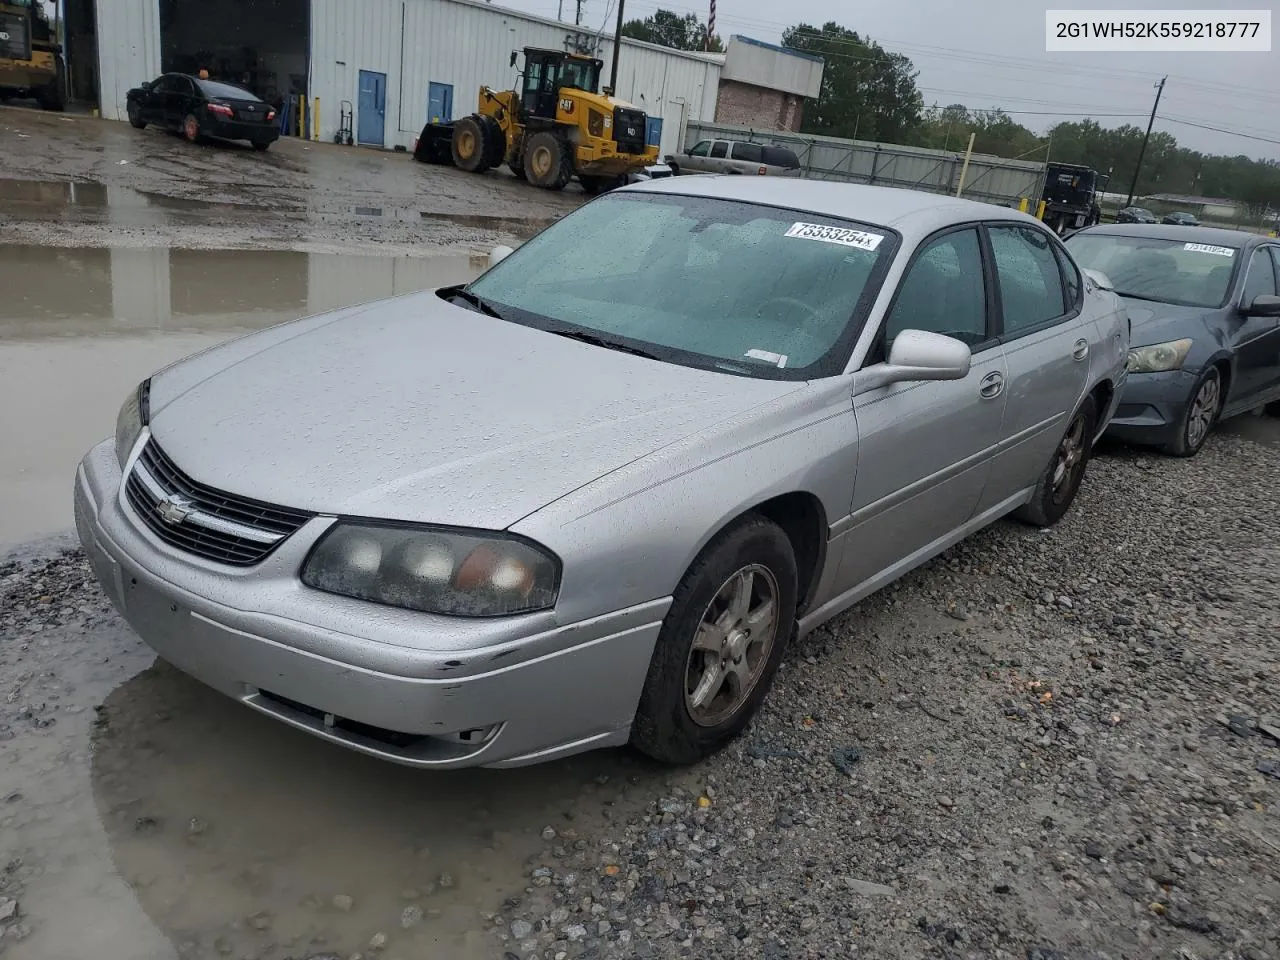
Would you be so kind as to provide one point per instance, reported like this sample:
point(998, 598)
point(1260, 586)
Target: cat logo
point(566, 105)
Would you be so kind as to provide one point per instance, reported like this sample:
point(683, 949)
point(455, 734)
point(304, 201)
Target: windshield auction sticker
point(841, 235)
point(1209, 248)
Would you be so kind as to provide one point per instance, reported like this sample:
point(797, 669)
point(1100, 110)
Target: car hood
point(1161, 322)
point(422, 411)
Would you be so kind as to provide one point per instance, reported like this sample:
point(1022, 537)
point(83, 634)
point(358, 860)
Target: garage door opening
point(260, 44)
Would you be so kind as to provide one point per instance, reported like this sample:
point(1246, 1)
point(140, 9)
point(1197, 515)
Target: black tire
point(1054, 494)
point(664, 727)
point(191, 128)
point(548, 162)
point(54, 95)
point(468, 145)
point(1197, 422)
point(517, 167)
point(675, 170)
point(1272, 409)
point(261, 145)
point(495, 142)
point(135, 116)
point(594, 185)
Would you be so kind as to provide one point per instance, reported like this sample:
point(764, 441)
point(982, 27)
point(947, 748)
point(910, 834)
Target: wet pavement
point(80, 327)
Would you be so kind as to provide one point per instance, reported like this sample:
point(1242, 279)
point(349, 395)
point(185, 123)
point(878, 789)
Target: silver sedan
point(588, 498)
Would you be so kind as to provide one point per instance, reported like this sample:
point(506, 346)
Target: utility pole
point(578, 19)
point(1133, 187)
point(617, 48)
point(560, 11)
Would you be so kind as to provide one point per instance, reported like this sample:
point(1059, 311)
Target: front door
point(372, 109)
point(439, 102)
point(925, 448)
point(1047, 353)
point(1255, 339)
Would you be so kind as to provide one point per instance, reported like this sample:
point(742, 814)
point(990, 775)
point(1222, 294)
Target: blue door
point(372, 108)
point(439, 102)
point(653, 131)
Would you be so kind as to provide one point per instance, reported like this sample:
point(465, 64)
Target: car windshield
point(225, 91)
point(747, 289)
point(1141, 212)
point(1167, 271)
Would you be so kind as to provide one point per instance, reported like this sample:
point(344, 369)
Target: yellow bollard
point(302, 115)
point(315, 121)
point(1040, 210)
point(1024, 204)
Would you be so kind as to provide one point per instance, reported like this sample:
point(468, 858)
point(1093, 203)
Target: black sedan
point(199, 108)
point(1205, 309)
point(1135, 215)
point(1180, 219)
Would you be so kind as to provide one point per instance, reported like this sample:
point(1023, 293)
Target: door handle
point(991, 387)
point(1081, 350)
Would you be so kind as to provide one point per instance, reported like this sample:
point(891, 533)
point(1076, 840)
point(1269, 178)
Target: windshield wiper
point(467, 296)
point(583, 337)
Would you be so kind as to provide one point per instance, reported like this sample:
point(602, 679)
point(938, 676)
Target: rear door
point(745, 157)
point(1255, 339)
point(1046, 347)
point(925, 448)
point(155, 103)
point(180, 100)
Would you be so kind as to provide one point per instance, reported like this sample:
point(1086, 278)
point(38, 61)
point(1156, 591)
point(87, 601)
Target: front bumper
point(415, 689)
point(1152, 406)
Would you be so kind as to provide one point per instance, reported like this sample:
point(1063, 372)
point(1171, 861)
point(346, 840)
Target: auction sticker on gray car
point(841, 235)
point(1209, 248)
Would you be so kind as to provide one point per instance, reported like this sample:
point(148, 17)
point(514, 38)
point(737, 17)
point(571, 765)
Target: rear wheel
point(594, 185)
point(720, 644)
point(54, 95)
point(547, 162)
point(468, 145)
point(1201, 414)
point(1061, 480)
point(191, 128)
point(261, 145)
point(135, 115)
point(495, 142)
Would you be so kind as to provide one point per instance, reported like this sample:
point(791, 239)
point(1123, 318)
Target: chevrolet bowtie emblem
point(173, 509)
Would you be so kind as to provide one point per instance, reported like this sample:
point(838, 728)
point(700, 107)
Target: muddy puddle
point(37, 200)
point(80, 327)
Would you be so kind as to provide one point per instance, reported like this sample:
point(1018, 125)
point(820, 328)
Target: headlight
point(595, 123)
point(434, 570)
point(135, 413)
point(1158, 357)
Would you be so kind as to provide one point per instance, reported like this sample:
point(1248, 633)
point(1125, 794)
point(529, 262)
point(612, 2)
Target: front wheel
point(135, 117)
point(468, 145)
point(1201, 414)
point(720, 644)
point(1060, 482)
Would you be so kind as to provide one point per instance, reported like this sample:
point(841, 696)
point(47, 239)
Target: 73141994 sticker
point(1209, 248)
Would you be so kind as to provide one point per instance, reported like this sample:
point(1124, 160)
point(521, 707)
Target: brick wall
point(751, 106)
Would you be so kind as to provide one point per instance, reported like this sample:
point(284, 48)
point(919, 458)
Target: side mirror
point(1099, 278)
point(1264, 305)
point(513, 59)
point(917, 355)
point(498, 254)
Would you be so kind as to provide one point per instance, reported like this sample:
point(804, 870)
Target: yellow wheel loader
point(30, 61)
point(554, 127)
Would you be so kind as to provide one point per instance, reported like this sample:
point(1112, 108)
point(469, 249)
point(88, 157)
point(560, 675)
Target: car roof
point(913, 213)
point(1219, 236)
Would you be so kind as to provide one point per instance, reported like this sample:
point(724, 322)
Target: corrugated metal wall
point(992, 179)
point(128, 33)
point(466, 44)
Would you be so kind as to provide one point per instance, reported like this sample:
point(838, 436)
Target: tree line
point(869, 93)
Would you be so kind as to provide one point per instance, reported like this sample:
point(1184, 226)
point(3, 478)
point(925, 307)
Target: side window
point(943, 291)
point(749, 152)
point(1261, 279)
point(1275, 255)
point(1030, 282)
point(719, 148)
point(163, 85)
point(700, 148)
point(1071, 277)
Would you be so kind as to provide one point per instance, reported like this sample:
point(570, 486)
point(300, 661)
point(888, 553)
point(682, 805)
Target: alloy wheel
point(1069, 460)
point(1204, 410)
point(731, 646)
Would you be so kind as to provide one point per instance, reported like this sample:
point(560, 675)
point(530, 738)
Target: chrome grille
point(198, 519)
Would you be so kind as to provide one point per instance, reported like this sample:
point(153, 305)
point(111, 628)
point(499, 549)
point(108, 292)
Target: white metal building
point(394, 63)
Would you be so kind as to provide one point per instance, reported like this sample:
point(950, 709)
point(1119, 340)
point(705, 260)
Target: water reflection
point(80, 327)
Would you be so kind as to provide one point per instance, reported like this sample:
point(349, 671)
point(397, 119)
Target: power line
point(1233, 133)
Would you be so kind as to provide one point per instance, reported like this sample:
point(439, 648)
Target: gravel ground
point(1055, 746)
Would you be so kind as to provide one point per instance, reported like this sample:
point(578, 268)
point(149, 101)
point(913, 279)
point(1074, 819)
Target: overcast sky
point(987, 53)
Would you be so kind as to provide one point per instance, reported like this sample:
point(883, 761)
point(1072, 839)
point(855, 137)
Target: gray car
point(737, 157)
point(1206, 326)
point(589, 498)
